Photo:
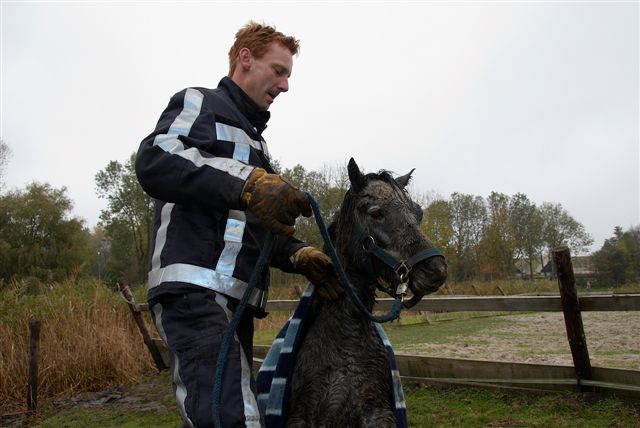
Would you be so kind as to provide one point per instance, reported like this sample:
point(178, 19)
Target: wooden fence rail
point(581, 376)
point(507, 375)
point(619, 302)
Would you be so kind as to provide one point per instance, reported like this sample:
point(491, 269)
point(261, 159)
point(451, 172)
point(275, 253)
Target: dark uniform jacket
point(195, 164)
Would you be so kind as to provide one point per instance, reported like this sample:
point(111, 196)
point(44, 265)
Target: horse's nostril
point(437, 269)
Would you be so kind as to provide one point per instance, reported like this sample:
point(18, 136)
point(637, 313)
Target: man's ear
point(245, 58)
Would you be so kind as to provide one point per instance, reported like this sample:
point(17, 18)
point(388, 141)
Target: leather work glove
point(274, 201)
point(318, 268)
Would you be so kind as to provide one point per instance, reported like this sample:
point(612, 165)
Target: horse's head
point(377, 210)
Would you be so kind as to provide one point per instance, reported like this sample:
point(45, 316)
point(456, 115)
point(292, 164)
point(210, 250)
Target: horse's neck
point(344, 309)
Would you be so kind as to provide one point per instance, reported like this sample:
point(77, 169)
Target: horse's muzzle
point(427, 276)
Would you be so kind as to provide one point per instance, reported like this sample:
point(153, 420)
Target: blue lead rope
point(344, 282)
point(233, 325)
point(255, 277)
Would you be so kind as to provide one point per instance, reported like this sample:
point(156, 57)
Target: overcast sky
point(532, 97)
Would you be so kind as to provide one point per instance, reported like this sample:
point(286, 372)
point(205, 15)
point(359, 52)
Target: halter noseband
point(401, 268)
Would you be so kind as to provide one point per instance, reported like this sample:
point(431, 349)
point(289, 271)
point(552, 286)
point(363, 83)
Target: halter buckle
point(402, 270)
point(371, 243)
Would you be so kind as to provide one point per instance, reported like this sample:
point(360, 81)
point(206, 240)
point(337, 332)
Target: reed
point(88, 341)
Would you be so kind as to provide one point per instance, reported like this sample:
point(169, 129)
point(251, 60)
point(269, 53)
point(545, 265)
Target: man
point(217, 197)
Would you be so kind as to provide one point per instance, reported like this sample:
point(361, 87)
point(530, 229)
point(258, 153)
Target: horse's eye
point(375, 213)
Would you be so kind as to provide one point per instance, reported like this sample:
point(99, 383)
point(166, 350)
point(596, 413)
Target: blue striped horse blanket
point(274, 377)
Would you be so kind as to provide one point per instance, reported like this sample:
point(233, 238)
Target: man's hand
point(318, 268)
point(274, 201)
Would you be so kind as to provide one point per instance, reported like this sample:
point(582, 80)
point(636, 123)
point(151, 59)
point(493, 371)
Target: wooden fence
point(433, 370)
point(500, 374)
point(579, 377)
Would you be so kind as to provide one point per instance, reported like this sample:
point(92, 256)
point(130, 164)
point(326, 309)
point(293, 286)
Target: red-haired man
point(207, 166)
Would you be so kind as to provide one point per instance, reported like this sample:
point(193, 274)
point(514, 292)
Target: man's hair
point(258, 38)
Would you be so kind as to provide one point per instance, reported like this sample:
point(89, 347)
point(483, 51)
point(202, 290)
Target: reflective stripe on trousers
point(192, 325)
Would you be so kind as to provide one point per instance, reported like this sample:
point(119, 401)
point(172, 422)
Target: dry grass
point(88, 341)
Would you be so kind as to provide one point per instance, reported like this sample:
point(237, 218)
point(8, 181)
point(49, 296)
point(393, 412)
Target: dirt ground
point(613, 340)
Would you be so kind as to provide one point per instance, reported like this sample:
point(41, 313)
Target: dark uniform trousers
point(192, 324)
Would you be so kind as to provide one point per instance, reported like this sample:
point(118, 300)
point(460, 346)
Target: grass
point(414, 333)
point(426, 406)
point(82, 418)
point(467, 407)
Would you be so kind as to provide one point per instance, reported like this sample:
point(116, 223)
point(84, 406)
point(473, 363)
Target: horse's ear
point(356, 176)
point(404, 180)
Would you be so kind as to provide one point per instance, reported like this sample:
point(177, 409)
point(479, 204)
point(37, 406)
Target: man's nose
point(283, 85)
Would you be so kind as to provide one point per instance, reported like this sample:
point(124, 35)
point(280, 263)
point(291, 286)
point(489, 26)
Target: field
point(539, 338)
point(95, 370)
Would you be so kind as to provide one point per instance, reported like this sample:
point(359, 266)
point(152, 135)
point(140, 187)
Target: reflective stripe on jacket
point(195, 165)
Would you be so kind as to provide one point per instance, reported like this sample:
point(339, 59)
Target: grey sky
point(532, 97)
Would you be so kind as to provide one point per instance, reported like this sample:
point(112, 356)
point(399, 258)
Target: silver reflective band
point(182, 124)
point(236, 135)
point(230, 166)
point(161, 235)
point(208, 278)
point(181, 389)
point(233, 233)
point(241, 140)
point(251, 412)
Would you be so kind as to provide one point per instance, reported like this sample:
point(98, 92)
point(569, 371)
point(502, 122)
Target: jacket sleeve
point(283, 249)
point(172, 165)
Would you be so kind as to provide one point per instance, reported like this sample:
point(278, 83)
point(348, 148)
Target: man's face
point(268, 76)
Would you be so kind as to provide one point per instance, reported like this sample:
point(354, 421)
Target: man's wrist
point(249, 186)
point(296, 255)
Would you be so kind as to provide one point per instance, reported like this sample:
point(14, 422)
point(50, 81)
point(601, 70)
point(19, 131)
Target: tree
point(436, 224)
point(328, 187)
point(618, 261)
point(559, 228)
point(468, 222)
point(496, 247)
point(5, 153)
point(37, 236)
point(127, 221)
point(526, 225)
point(102, 249)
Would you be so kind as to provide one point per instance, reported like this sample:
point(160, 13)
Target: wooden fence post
point(572, 315)
point(146, 337)
point(475, 289)
point(34, 353)
point(448, 287)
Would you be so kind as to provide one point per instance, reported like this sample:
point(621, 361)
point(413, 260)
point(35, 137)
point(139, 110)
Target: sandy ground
point(613, 340)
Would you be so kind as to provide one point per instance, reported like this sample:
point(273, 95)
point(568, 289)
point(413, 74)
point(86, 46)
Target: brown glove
point(318, 268)
point(274, 201)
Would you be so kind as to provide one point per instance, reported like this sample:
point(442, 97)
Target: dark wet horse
point(341, 378)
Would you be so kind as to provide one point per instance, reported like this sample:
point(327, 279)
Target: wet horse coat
point(341, 374)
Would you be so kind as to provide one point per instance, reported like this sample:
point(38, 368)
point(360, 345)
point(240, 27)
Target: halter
point(401, 268)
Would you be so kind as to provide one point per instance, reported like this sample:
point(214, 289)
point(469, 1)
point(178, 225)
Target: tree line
point(481, 237)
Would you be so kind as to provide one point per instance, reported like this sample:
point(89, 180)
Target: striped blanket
point(274, 377)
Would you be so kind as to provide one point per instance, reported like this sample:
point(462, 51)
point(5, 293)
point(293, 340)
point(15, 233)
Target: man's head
point(260, 62)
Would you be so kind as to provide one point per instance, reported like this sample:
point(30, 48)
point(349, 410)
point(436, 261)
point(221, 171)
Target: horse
point(341, 376)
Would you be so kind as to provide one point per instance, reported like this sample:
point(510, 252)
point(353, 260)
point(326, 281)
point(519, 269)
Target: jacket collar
point(246, 105)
